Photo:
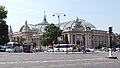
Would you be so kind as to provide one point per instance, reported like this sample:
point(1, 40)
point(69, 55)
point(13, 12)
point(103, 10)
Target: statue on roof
point(44, 17)
point(11, 29)
point(78, 22)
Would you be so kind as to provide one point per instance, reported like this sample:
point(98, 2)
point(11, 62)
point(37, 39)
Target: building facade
point(74, 30)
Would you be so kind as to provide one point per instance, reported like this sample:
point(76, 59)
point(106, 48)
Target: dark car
point(2, 48)
point(27, 48)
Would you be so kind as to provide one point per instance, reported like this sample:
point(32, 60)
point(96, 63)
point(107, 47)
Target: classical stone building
point(29, 33)
point(74, 30)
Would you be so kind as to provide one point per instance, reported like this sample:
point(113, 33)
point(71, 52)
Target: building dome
point(30, 27)
point(35, 28)
point(76, 23)
point(42, 25)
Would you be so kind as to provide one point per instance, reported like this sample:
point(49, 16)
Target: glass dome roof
point(41, 26)
point(72, 24)
point(38, 27)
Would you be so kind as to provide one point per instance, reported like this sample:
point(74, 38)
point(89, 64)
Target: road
point(58, 60)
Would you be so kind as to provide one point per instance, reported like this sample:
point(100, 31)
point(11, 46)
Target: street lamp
point(84, 47)
point(58, 15)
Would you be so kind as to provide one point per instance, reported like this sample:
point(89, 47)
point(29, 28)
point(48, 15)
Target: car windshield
point(60, 46)
point(9, 45)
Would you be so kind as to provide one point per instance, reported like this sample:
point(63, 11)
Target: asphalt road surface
point(58, 60)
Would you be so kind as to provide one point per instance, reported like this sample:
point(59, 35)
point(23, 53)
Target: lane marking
point(17, 67)
point(47, 61)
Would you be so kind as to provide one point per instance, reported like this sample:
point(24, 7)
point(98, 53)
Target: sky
point(101, 13)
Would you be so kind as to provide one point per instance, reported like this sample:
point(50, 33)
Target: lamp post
point(84, 29)
point(58, 15)
point(84, 47)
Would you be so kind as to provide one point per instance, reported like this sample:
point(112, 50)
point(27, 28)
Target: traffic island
point(111, 57)
point(110, 54)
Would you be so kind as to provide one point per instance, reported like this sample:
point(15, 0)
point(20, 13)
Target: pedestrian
point(34, 45)
point(21, 48)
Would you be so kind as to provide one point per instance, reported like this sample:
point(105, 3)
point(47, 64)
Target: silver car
point(9, 49)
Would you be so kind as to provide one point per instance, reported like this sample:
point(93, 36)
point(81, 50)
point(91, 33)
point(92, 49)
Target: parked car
point(55, 50)
point(13, 47)
point(27, 48)
point(5, 48)
point(113, 49)
point(117, 49)
point(37, 50)
point(50, 50)
point(90, 49)
point(9, 49)
point(2, 48)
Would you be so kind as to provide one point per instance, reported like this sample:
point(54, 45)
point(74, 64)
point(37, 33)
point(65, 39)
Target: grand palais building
point(74, 31)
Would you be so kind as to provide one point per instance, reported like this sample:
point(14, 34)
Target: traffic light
point(110, 30)
point(110, 33)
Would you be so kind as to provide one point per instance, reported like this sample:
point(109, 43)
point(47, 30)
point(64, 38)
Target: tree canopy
point(3, 14)
point(51, 34)
point(3, 26)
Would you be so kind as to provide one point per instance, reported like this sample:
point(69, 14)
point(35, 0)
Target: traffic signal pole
point(110, 49)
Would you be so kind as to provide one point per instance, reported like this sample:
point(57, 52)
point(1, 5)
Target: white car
point(117, 49)
point(65, 49)
point(90, 49)
point(62, 48)
point(10, 50)
point(51, 50)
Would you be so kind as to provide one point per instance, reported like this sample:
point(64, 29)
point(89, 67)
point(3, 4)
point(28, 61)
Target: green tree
point(44, 42)
point(22, 40)
point(51, 34)
point(116, 40)
point(3, 26)
point(18, 39)
point(117, 35)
